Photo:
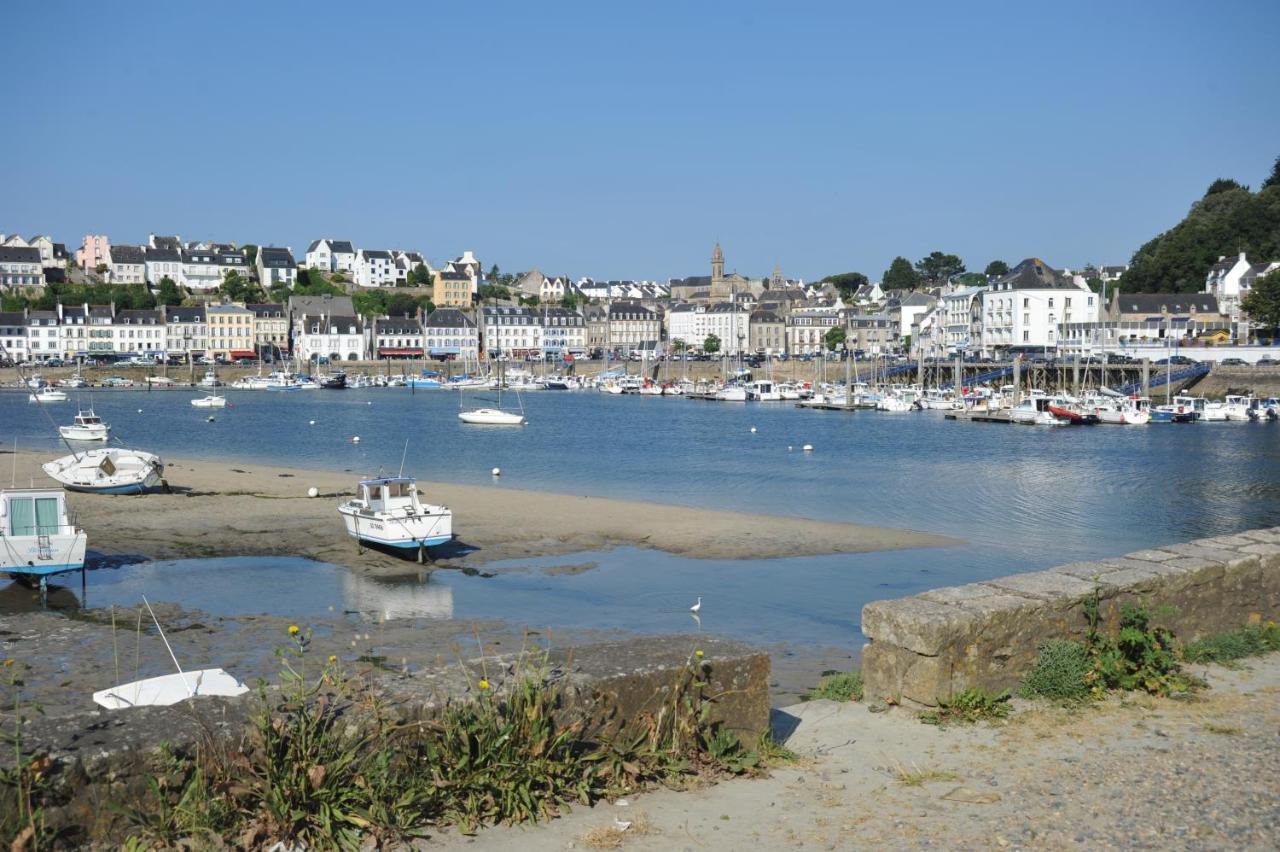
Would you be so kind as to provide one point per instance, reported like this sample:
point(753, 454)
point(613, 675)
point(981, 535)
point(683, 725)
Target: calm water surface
point(1021, 498)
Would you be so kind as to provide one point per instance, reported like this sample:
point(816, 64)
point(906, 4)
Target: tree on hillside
point(236, 288)
point(570, 301)
point(420, 275)
point(1229, 219)
point(250, 254)
point(1274, 178)
point(711, 345)
point(167, 292)
point(900, 275)
point(1263, 302)
point(1223, 185)
point(846, 282)
point(970, 279)
point(996, 268)
point(938, 267)
point(834, 338)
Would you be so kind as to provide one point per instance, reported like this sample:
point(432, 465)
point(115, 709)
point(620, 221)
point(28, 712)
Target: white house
point(201, 272)
point(730, 322)
point(396, 337)
point(449, 332)
point(162, 263)
point(375, 268)
point(960, 321)
point(126, 265)
point(276, 266)
point(564, 332)
point(633, 327)
point(13, 337)
point(140, 332)
point(1231, 279)
point(514, 332)
point(186, 331)
point(911, 308)
point(44, 334)
point(331, 256)
point(687, 323)
point(336, 338)
point(1026, 309)
point(20, 267)
point(807, 329)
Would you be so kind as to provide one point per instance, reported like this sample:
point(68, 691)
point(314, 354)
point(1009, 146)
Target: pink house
point(94, 249)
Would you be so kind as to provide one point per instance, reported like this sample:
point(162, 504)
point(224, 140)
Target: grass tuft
point(1061, 672)
point(1227, 648)
point(917, 777)
point(972, 705)
point(837, 686)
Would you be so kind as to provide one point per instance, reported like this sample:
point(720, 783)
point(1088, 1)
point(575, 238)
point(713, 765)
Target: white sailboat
point(210, 401)
point(493, 416)
point(111, 470)
point(49, 394)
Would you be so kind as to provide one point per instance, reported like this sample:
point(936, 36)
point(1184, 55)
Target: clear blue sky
point(622, 140)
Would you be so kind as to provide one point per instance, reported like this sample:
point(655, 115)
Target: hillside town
point(338, 302)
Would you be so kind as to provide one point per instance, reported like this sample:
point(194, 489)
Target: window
point(1026, 303)
point(1026, 335)
point(33, 516)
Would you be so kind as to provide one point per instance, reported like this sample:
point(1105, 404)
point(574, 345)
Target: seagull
point(696, 607)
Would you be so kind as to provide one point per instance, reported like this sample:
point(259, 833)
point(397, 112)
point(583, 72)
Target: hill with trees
point(1229, 219)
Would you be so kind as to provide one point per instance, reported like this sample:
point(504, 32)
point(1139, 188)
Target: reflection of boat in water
point(384, 601)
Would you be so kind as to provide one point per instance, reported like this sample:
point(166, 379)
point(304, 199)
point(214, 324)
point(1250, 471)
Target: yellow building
point(230, 328)
point(451, 290)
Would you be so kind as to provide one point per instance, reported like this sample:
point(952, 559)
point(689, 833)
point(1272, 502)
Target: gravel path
point(1142, 773)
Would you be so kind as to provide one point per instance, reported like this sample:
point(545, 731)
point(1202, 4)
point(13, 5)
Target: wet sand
point(248, 509)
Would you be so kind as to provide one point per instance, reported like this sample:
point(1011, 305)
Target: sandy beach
point(248, 509)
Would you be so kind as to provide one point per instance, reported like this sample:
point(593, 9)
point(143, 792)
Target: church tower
point(718, 289)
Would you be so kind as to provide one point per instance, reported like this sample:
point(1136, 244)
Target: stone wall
point(986, 634)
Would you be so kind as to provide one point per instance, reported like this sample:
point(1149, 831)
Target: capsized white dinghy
point(107, 471)
point(170, 689)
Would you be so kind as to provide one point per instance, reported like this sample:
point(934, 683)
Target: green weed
point(1226, 648)
point(837, 686)
point(1061, 672)
point(972, 705)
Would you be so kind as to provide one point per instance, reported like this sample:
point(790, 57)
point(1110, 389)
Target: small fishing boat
point(87, 426)
point(334, 381)
point(1129, 411)
point(387, 511)
point(37, 536)
point(1034, 411)
point(210, 379)
point(112, 470)
point(1183, 409)
point(49, 394)
point(210, 401)
point(1068, 409)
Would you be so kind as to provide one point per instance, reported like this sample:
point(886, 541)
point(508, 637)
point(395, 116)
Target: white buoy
point(808, 448)
point(209, 418)
point(311, 422)
point(753, 430)
point(370, 402)
point(139, 410)
point(313, 492)
point(497, 471)
point(790, 448)
point(355, 439)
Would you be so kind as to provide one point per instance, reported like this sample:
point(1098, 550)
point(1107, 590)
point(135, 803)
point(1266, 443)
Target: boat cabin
point(33, 512)
point(390, 495)
point(37, 538)
point(88, 419)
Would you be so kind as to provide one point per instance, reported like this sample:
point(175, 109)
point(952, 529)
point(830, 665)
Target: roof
point(54, 275)
point(1174, 303)
point(180, 313)
point(377, 254)
point(19, 254)
point(1033, 274)
point(397, 325)
point(632, 310)
point(162, 255)
point(917, 299)
point(276, 258)
point(127, 255)
point(317, 305)
point(266, 310)
point(13, 318)
point(226, 309)
point(449, 318)
point(136, 316)
point(764, 316)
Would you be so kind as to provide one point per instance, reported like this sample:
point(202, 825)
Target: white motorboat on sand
point(387, 511)
point(110, 470)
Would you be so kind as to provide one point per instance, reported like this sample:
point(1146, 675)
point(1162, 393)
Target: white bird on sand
point(696, 607)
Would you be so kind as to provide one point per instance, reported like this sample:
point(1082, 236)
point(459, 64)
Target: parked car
point(1233, 362)
point(117, 382)
point(1265, 361)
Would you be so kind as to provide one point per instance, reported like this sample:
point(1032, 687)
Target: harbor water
point(1019, 498)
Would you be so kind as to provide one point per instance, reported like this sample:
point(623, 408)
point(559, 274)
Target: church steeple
point(717, 263)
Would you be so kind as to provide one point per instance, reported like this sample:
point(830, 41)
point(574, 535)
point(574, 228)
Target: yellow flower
point(698, 654)
point(333, 658)
point(484, 684)
point(8, 662)
point(293, 630)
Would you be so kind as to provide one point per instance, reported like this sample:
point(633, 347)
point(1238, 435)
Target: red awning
point(399, 351)
point(243, 353)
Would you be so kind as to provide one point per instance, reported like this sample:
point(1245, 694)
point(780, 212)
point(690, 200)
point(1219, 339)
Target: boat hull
point(84, 433)
point(130, 472)
point(491, 417)
point(407, 533)
point(23, 555)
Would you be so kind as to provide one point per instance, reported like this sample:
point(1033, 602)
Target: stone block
point(918, 625)
point(896, 674)
point(1200, 550)
point(1043, 585)
point(1153, 555)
